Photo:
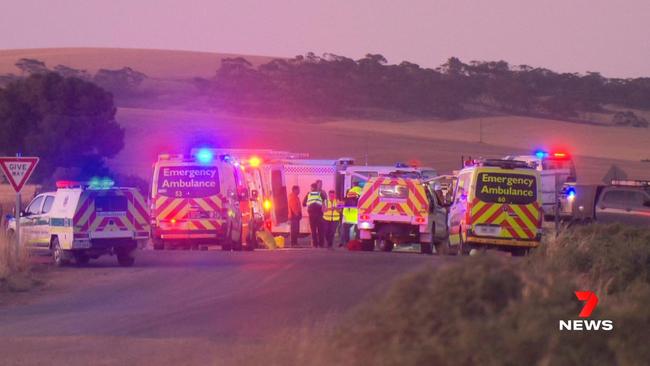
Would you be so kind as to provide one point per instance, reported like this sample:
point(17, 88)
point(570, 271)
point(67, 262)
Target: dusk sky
point(612, 37)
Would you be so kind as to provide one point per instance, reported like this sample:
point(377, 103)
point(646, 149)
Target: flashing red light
point(254, 162)
point(560, 155)
point(365, 217)
point(268, 224)
point(173, 221)
point(267, 205)
point(66, 183)
point(420, 220)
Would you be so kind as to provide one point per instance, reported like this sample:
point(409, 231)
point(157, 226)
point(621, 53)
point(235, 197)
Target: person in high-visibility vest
point(350, 213)
point(332, 217)
point(314, 201)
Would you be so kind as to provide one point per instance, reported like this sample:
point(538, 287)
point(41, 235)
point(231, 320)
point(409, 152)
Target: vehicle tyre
point(58, 254)
point(158, 244)
point(125, 258)
point(81, 258)
point(237, 242)
point(426, 248)
point(226, 242)
point(386, 245)
point(519, 252)
point(463, 248)
point(367, 245)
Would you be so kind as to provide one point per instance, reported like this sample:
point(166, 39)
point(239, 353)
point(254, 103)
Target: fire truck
point(200, 199)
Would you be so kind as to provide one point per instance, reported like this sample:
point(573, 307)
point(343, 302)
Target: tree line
point(337, 85)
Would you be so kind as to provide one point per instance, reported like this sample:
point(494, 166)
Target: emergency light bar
point(505, 164)
point(631, 183)
point(95, 183)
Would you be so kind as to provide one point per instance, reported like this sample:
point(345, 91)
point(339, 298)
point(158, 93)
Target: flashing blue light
point(100, 183)
point(204, 156)
point(541, 154)
point(571, 192)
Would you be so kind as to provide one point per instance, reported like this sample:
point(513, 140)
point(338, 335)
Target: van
point(199, 200)
point(496, 204)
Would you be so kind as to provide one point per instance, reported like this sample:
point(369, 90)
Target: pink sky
point(612, 37)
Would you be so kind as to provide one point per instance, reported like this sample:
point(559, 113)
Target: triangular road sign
point(17, 170)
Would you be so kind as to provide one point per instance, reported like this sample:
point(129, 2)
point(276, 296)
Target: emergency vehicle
point(339, 175)
point(200, 199)
point(556, 168)
point(400, 208)
point(496, 203)
point(83, 221)
point(622, 201)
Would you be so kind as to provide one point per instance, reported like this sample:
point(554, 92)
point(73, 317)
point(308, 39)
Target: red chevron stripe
point(529, 215)
point(82, 210)
point(199, 225)
point(369, 192)
point(482, 211)
point(495, 215)
point(163, 207)
point(176, 210)
point(523, 227)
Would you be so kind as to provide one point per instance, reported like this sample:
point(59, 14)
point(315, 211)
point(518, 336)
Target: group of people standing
point(326, 212)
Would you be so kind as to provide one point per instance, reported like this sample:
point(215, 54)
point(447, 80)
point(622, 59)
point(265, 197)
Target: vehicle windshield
point(511, 188)
point(188, 181)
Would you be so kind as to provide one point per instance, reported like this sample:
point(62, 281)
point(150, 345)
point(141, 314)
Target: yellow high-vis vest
point(331, 211)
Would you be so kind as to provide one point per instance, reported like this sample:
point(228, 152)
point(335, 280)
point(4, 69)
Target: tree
point(67, 122)
point(69, 72)
point(122, 81)
point(31, 66)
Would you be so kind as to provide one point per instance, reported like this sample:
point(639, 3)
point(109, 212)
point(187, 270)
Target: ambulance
point(400, 208)
point(496, 204)
point(83, 221)
point(198, 200)
point(556, 168)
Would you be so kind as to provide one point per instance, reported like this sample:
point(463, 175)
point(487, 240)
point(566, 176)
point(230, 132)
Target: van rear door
point(505, 204)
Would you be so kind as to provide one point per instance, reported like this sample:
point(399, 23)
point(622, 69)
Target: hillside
point(165, 64)
point(434, 143)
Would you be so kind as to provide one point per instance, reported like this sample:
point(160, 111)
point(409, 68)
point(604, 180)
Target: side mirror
point(254, 194)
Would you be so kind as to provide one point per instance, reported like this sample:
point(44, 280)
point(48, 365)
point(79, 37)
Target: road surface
point(191, 307)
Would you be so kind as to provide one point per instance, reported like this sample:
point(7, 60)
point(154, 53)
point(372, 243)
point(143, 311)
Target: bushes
point(14, 272)
point(493, 310)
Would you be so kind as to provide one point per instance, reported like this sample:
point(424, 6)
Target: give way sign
point(17, 170)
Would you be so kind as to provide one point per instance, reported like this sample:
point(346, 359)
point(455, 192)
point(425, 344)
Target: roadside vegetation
point(491, 310)
point(15, 272)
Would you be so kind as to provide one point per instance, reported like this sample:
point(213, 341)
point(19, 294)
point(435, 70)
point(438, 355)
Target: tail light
point(365, 217)
point(420, 220)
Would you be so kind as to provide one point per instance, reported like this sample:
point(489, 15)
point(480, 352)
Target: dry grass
point(434, 143)
point(15, 271)
point(491, 310)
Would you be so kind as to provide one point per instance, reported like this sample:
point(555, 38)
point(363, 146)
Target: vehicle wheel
point(237, 243)
point(386, 245)
point(463, 248)
point(58, 254)
point(158, 245)
point(426, 248)
point(81, 258)
point(367, 245)
point(125, 258)
point(519, 252)
point(226, 242)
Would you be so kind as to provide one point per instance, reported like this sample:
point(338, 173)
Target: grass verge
point(492, 310)
point(15, 272)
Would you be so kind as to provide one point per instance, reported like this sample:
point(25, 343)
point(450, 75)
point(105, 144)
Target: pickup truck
point(624, 201)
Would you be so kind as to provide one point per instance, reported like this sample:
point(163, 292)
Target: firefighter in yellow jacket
point(331, 217)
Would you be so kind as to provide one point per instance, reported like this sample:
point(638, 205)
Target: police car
point(83, 221)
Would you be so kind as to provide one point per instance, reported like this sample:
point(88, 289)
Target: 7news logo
point(591, 300)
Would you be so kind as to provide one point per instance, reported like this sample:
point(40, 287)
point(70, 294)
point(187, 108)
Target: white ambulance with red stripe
point(82, 221)
point(201, 199)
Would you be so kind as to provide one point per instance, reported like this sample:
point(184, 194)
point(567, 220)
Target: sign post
point(18, 170)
